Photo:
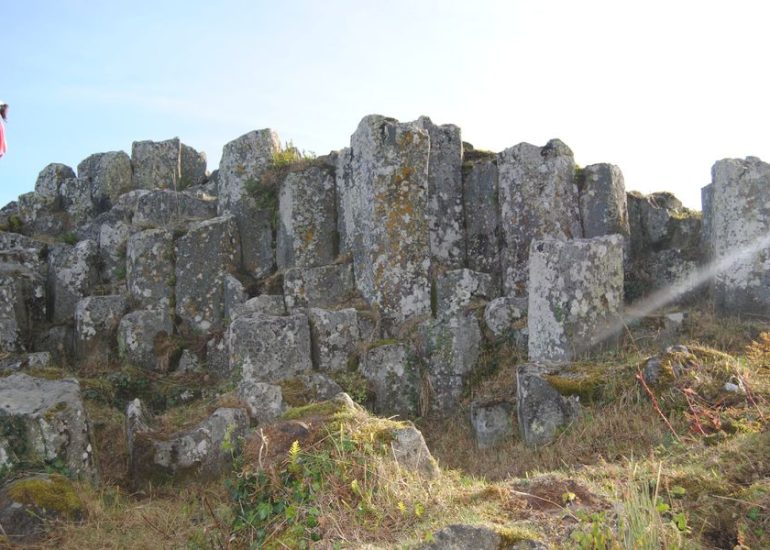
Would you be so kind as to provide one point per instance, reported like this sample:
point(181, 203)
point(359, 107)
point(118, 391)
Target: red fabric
point(3, 144)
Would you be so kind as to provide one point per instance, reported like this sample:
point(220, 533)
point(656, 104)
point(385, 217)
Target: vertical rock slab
point(12, 314)
point(150, 269)
point(390, 200)
point(538, 199)
point(307, 224)
point(740, 228)
point(491, 422)
point(77, 202)
point(603, 208)
point(266, 348)
point(72, 272)
point(450, 350)
point(166, 165)
point(109, 175)
point(44, 421)
point(208, 251)
point(141, 335)
point(445, 195)
point(458, 289)
point(96, 323)
point(575, 296)
point(244, 194)
point(394, 378)
point(167, 208)
point(348, 226)
point(482, 217)
point(334, 336)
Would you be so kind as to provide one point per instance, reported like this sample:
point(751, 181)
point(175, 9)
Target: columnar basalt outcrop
point(396, 268)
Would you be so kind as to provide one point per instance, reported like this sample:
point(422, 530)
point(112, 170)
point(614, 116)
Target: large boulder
point(478, 537)
point(538, 199)
point(491, 422)
point(49, 181)
point(22, 297)
point(150, 269)
point(43, 421)
point(265, 348)
point(411, 452)
point(166, 165)
point(445, 195)
point(208, 251)
point(77, 201)
point(109, 175)
point(575, 297)
point(388, 205)
point(541, 410)
point(36, 214)
point(204, 451)
point(739, 225)
point(72, 273)
point(30, 504)
point(306, 219)
point(482, 216)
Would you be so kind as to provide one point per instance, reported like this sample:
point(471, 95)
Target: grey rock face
point(394, 378)
point(333, 335)
point(505, 315)
point(109, 175)
point(707, 240)
point(140, 333)
point(603, 207)
point(217, 356)
point(244, 159)
point(50, 179)
point(482, 218)
point(306, 219)
point(540, 408)
point(11, 309)
point(72, 272)
point(267, 304)
point(389, 203)
point(235, 295)
point(445, 194)
point(210, 250)
point(166, 208)
point(36, 212)
point(150, 269)
point(268, 349)
point(347, 198)
point(166, 165)
point(22, 297)
point(491, 423)
point(456, 290)
point(96, 323)
point(740, 224)
point(113, 239)
point(576, 295)
point(188, 362)
point(76, 200)
point(323, 287)
point(264, 401)
point(50, 417)
point(538, 199)
point(198, 453)
point(451, 349)
point(412, 453)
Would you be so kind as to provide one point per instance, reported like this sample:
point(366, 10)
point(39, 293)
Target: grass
point(687, 471)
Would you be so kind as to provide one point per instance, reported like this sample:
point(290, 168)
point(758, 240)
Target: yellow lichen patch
point(53, 493)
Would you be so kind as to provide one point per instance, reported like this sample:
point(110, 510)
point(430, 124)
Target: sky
point(662, 89)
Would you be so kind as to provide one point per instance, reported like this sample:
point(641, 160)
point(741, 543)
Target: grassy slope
point(619, 477)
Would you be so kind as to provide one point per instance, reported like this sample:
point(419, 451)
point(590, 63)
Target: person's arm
point(3, 145)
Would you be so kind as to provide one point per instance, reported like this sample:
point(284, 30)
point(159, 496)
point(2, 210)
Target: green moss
point(68, 238)
point(327, 408)
point(295, 393)
point(54, 493)
point(511, 536)
point(51, 413)
point(587, 386)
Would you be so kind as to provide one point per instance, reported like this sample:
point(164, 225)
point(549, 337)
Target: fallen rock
point(394, 379)
point(334, 336)
point(44, 421)
point(491, 423)
point(96, 323)
point(142, 336)
point(541, 410)
point(411, 452)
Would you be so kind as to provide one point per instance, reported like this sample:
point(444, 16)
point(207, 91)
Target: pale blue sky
point(661, 88)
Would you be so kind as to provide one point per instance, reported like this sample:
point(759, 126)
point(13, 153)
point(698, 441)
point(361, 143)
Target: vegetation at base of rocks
point(68, 238)
point(54, 493)
point(14, 224)
point(290, 154)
